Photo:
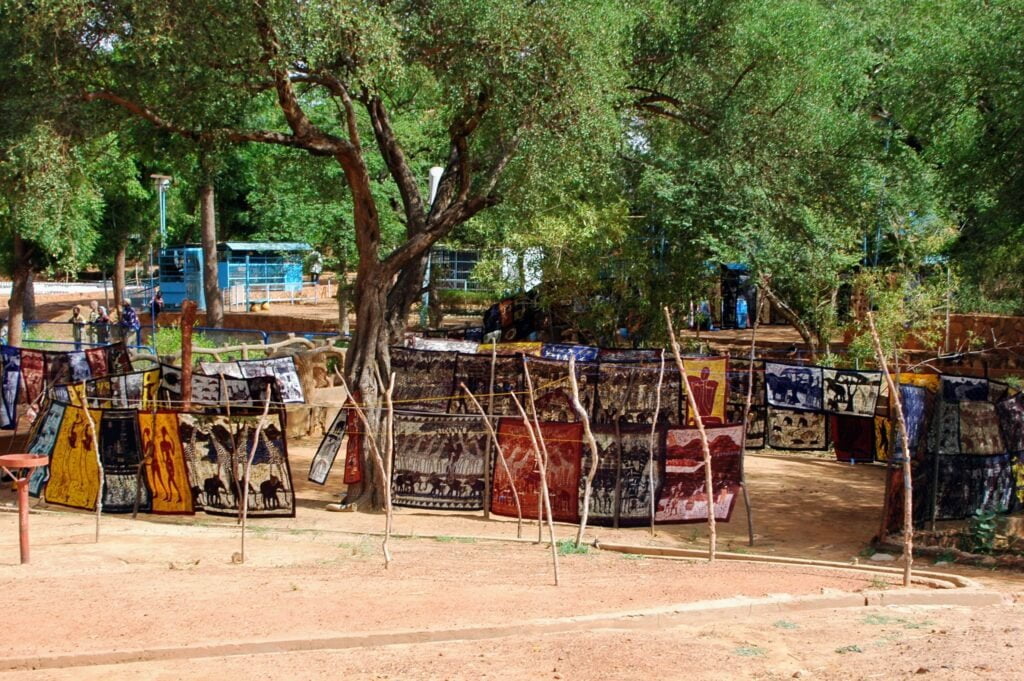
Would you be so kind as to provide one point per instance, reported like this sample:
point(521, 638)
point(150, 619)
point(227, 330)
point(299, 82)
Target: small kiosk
point(247, 272)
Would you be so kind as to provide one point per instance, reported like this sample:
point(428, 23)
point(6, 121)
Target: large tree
point(488, 83)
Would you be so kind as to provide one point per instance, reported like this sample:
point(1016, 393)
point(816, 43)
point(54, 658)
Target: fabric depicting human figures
point(853, 438)
point(628, 393)
point(756, 422)
point(883, 438)
point(166, 471)
point(97, 359)
point(1011, 422)
point(552, 393)
point(327, 451)
point(852, 393)
point(563, 470)
point(32, 374)
point(788, 429)
point(43, 440)
point(475, 372)
point(121, 456)
point(74, 470)
point(683, 494)
point(793, 386)
point(439, 461)
point(979, 429)
point(10, 386)
point(424, 379)
point(629, 480)
point(707, 378)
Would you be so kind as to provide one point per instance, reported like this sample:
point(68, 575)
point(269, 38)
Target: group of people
point(100, 327)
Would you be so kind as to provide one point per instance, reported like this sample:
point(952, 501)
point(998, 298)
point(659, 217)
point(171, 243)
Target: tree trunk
point(406, 291)
point(794, 320)
point(19, 282)
point(344, 292)
point(29, 305)
point(211, 287)
point(119, 278)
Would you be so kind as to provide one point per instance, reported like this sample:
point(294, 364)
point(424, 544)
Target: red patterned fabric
point(564, 445)
point(682, 498)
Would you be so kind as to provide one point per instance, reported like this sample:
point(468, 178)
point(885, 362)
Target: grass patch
point(784, 624)
point(849, 649)
point(567, 547)
point(633, 556)
point(750, 651)
point(880, 583)
point(446, 539)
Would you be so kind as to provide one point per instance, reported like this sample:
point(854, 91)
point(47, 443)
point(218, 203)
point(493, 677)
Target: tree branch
point(394, 156)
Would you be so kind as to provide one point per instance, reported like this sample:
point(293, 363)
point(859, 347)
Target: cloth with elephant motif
point(851, 393)
point(794, 386)
point(563, 441)
point(216, 450)
point(789, 429)
point(683, 494)
point(621, 490)
point(439, 461)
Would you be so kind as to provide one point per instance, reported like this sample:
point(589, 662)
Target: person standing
point(315, 268)
point(94, 315)
point(130, 323)
point(77, 324)
point(156, 306)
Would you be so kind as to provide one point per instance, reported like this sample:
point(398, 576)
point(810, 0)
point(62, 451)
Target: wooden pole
point(595, 454)
point(501, 458)
point(543, 447)
point(188, 320)
point(908, 482)
point(709, 488)
point(99, 463)
point(746, 423)
point(654, 429)
point(248, 468)
point(487, 449)
point(542, 465)
point(389, 453)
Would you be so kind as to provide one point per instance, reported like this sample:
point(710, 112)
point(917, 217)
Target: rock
point(922, 670)
point(801, 674)
point(883, 557)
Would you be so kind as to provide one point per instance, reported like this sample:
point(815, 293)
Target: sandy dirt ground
point(168, 587)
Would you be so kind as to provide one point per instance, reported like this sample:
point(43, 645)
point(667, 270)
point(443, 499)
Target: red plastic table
point(12, 465)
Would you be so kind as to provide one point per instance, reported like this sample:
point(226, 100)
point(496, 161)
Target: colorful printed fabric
point(967, 485)
point(445, 345)
point(118, 359)
point(10, 386)
point(979, 429)
point(165, 468)
point(789, 429)
point(424, 380)
point(552, 392)
point(562, 351)
point(524, 348)
point(563, 442)
point(683, 494)
point(32, 374)
point(916, 403)
point(756, 422)
point(43, 440)
point(97, 359)
point(74, 470)
point(475, 372)
point(80, 369)
point(439, 461)
point(707, 380)
point(852, 393)
point(353, 449)
point(930, 382)
point(791, 386)
point(327, 451)
point(964, 389)
point(56, 368)
point(853, 438)
point(621, 490)
point(281, 368)
point(628, 393)
point(121, 456)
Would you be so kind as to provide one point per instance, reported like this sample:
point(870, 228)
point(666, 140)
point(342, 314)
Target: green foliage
point(980, 536)
point(849, 649)
point(568, 547)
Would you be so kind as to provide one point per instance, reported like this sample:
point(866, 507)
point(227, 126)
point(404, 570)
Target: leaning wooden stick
point(501, 458)
point(709, 487)
point(746, 423)
point(99, 461)
point(543, 451)
point(594, 452)
point(378, 459)
point(908, 483)
point(248, 469)
point(654, 431)
point(545, 499)
point(389, 454)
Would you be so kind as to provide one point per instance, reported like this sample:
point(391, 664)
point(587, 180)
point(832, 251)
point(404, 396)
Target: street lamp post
point(435, 179)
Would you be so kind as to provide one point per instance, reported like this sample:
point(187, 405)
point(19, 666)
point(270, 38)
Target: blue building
point(247, 272)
